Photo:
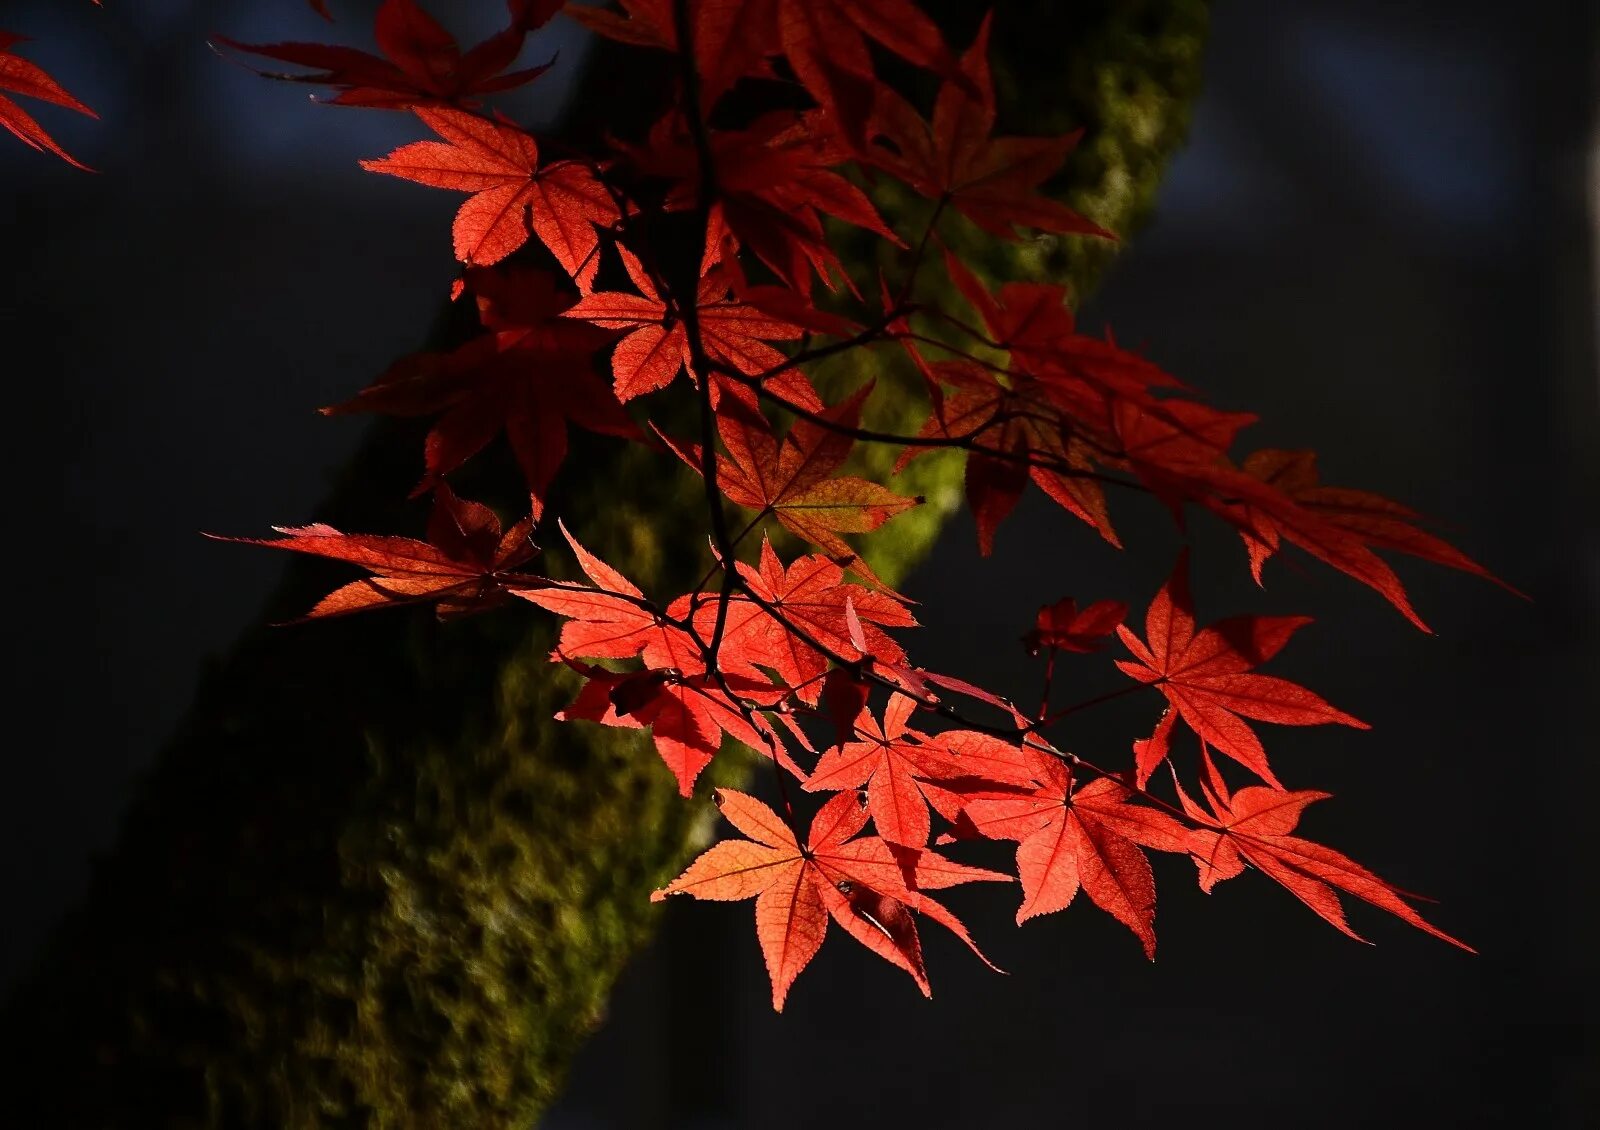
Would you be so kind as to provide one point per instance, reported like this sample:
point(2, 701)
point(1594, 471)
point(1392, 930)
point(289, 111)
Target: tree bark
point(370, 883)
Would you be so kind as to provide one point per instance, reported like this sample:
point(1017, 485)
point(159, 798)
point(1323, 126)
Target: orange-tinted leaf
point(655, 346)
point(812, 595)
point(1089, 839)
point(860, 883)
point(610, 618)
point(792, 479)
point(687, 715)
point(894, 764)
point(498, 164)
point(465, 565)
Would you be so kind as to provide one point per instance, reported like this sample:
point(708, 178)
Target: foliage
point(680, 287)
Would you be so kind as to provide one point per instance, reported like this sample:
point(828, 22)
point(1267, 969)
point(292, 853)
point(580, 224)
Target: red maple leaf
point(1372, 518)
point(1089, 837)
point(994, 182)
point(1253, 825)
point(1175, 447)
point(758, 650)
point(811, 595)
point(530, 377)
point(865, 886)
point(498, 164)
point(609, 618)
point(1264, 514)
point(1035, 324)
point(20, 76)
point(466, 564)
point(826, 45)
point(894, 763)
point(421, 64)
point(1062, 627)
point(1082, 403)
point(1051, 413)
point(731, 40)
point(793, 478)
point(1108, 402)
point(1207, 677)
point(686, 707)
point(824, 41)
point(687, 714)
point(775, 181)
point(655, 345)
point(1011, 428)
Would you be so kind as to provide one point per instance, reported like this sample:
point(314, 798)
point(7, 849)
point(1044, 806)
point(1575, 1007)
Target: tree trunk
point(370, 883)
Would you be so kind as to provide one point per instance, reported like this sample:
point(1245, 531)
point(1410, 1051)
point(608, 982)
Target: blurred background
point(1382, 238)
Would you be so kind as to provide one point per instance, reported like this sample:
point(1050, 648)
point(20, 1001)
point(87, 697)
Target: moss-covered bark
point(370, 883)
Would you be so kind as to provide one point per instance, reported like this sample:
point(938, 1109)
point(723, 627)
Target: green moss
point(371, 884)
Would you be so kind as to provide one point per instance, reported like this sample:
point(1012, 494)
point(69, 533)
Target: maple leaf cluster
point(688, 270)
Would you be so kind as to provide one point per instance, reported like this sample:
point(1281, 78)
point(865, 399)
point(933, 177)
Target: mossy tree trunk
point(370, 883)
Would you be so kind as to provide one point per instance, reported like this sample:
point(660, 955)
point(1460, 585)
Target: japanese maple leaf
point(1174, 447)
point(1186, 465)
point(994, 182)
point(826, 45)
point(1062, 627)
point(793, 478)
point(775, 181)
point(498, 164)
point(20, 76)
point(421, 64)
point(655, 345)
point(862, 884)
point(1078, 402)
point(1088, 838)
point(825, 42)
point(1372, 518)
point(465, 565)
point(1114, 405)
point(810, 594)
point(893, 762)
point(1098, 388)
point(1207, 677)
point(1035, 324)
point(530, 376)
point(1253, 825)
point(609, 618)
point(687, 709)
point(687, 715)
point(731, 37)
point(1049, 415)
point(1012, 427)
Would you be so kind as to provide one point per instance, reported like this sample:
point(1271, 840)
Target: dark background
point(1382, 238)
